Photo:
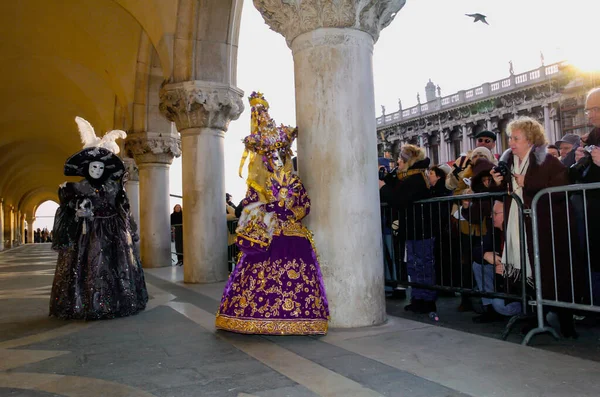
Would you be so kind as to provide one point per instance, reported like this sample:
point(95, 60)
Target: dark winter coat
point(177, 218)
point(546, 171)
point(592, 175)
point(400, 192)
point(480, 208)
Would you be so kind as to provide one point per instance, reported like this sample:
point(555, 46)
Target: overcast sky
point(429, 39)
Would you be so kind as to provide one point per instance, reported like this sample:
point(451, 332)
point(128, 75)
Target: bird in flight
point(478, 18)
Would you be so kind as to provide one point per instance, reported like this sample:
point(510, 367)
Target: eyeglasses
point(589, 111)
point(484, 140)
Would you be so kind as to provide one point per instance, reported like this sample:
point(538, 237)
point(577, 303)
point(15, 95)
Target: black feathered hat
point(78, 164)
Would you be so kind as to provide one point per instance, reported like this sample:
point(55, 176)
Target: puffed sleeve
point(300, 205)
point(65, 222)
point(124, 207)
point(251, 197)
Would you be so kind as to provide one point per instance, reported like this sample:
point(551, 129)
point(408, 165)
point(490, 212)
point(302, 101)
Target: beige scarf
point(511, 257)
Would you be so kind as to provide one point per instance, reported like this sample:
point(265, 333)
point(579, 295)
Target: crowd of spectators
point(482, 237)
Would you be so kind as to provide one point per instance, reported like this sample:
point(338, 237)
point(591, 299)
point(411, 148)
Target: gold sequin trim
point(272, 327)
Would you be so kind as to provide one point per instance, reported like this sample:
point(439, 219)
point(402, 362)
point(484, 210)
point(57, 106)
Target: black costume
point(99, 273)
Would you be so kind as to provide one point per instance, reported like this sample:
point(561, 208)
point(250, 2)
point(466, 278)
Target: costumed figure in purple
point(276, 287)
point(98, 273)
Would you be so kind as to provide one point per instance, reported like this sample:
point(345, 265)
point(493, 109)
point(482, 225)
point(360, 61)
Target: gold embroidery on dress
point(273, 327)
point(254, 280)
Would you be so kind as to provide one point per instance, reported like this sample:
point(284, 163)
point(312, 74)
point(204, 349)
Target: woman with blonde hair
point(532, 169)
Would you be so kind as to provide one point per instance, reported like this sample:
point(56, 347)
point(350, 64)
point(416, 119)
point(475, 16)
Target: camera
point(502, 168)
point(585, 161)
point(460, 165)
point(382, 173)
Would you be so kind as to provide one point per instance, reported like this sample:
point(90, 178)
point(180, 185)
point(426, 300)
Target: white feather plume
point(108, 141)
point(89, 138)
point(87, 133)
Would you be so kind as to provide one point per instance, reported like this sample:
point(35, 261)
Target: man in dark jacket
point(488, 267)
point(567, 146)
point(410, 184)
point(591, 174)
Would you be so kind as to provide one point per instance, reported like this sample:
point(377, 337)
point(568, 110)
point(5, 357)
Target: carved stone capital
point(468, 129)
point(153, 147)
point(201, 104)
point(292, 18)
point(132, 169)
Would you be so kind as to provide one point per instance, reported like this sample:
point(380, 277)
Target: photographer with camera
point(524, 171)
point(587, 166)
point(587, 170)
point(400, 190)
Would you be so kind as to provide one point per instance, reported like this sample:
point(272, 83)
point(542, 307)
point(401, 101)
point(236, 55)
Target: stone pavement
point(172, 349)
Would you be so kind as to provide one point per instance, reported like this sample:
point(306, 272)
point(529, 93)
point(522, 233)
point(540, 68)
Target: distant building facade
point(446, 125)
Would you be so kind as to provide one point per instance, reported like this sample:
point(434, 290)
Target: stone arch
point(158, 20)
point(206, 40)
point(31, 200)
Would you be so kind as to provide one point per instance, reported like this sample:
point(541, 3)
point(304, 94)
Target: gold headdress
point(265, 138)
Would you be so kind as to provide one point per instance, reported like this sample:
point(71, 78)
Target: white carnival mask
point(277, 161)
point(96, 169)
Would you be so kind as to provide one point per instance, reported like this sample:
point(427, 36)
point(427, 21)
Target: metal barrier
point(456, 238)
point(177, 238)
point(232, 249)
point(585, 298)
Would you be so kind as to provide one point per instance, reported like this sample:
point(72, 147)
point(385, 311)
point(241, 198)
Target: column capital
point(201, 104)
point(131, 168)
point(153, 147)
point(292, 18)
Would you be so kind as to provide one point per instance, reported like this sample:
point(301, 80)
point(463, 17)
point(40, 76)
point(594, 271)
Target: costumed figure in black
point(99, 273)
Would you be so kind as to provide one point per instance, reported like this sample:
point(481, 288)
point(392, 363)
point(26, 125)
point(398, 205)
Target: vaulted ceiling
point(61, 59)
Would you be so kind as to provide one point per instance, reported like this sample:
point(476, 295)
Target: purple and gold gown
point(276, 287)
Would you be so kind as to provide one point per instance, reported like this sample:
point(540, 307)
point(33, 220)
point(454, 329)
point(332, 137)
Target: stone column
point(557, 130)
point(443, 154)
point(1, 224)
point(132, 187)
point(202, 111)
point(21, 228)
point(153, 153)
point(8, 226)
point(30, 229)
point(548, 124)
point(332, 45)
point(427, 149)
point(465, 138)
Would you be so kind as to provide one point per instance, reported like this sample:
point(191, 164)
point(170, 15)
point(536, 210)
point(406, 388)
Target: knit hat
point(445, 167)
point(483, 152)
point(571, 139)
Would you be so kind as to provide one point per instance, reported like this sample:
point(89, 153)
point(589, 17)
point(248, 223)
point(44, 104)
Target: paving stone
point(5, 392)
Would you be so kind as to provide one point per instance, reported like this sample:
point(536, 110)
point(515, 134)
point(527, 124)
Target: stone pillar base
point(337, 152)
point(154, 225)
point(204, 222)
